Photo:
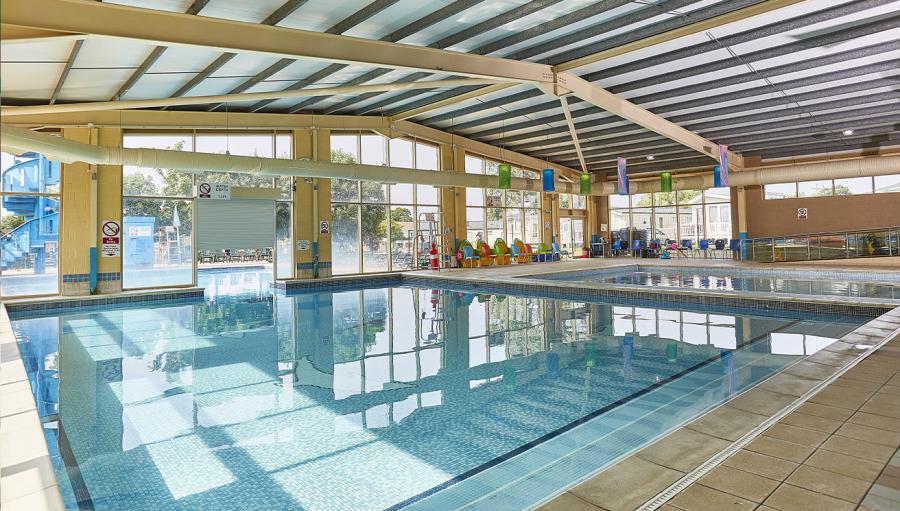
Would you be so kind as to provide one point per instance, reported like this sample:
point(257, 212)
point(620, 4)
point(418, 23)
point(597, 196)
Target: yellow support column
point(453, 199)
point(109, 208)
point(312, 209)
point(75, 215)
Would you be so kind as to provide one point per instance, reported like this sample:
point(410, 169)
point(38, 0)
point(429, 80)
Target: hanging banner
point(723, 167)
point(505, 174)
point(623, 177)
point(665, 182)
point(548, 180)
point(585, 184)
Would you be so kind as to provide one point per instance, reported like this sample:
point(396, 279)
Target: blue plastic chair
point(704, 247)
point(734, 247)
point(617, 247)
point(635, 247)
point(687, 247)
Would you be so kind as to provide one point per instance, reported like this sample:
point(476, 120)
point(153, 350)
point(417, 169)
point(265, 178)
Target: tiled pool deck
point(838, 450)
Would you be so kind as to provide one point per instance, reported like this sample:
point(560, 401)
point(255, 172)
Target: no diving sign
point(112, 241)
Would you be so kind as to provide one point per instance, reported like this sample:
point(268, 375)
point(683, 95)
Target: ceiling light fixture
point(847, 133)
point(651, 157)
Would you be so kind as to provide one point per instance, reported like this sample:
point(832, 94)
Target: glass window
point(853, 186)
point(495, 224)
point(474, 225)
point(284, 251)
point(142, 181)
point(579, 202)
point(717, 195)
point(374, 226)
point(401, 235)
point(345, 239)
point(372, 147)
point(240, 145)
point(618, 201)
point(29, 248)
point(156, 245)
point(821, 188)
point(565, 201)
point(642, 200)
point(532, 226)
point(532, 199)
point(426, 159)
point(780, 191)
point(887, 184)
point(514, 226)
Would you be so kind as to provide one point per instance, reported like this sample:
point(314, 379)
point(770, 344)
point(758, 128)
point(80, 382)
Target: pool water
point(377, 399)
point(722, 281)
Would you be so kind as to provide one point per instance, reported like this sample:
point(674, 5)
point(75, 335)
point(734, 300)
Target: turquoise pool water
point(727, 280)
point(377, 399)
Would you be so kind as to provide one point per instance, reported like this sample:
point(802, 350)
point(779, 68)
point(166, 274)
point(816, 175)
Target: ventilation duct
point(18, 140)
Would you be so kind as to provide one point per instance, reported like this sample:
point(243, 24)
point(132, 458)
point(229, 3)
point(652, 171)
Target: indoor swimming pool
point(377, 399)
point(731, 279)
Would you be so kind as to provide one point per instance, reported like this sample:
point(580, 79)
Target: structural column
point(109, 208)
point(75, 214)
point(549, 217)
point(453, 199)
point(312, 208)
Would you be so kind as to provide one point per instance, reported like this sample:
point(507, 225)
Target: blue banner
point(623, 177)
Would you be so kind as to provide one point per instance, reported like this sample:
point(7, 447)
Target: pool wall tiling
point(781, 273)
point(16, 308)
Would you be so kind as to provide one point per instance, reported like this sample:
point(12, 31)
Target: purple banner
point(623, 177)
point(723, 165)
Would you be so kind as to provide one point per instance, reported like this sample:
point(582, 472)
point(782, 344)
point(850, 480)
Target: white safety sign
point(323, 227)
point(213, 191)
point(302, 244)
point(111, 238)
point(802, 214)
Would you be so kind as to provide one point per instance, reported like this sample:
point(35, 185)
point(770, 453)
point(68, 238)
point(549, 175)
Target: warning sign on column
point(112, 241)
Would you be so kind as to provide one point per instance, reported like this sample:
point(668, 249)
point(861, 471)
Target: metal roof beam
point(450, 101)
point(73, 54)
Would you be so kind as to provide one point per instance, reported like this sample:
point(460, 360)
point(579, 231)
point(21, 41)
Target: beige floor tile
point(841, 397)
point(845, 464)
point(12, 371)
point(27, 419)
point(858, 373)
point(779, 449)
point(829, 483)
point(16, 401)
point(762, 401)
point(883, 404)
point(789, 384)
point(875, 421)
point(850, 383)
point(802, 420)
point(568, 502)
point(761, 464)
point(794, 434)
point(701, 498)
point(828, 412)
point(21, 445)
point(727, 422)
point(683, 450)
point(792, 498)
point(48, 499)
point(811, 370)
point(890, 389)
point(869, 434)
point(857, 448)
point(831, 358)
point(626, 485)
point(878, 503)
point(28, 477)
point(737, 482)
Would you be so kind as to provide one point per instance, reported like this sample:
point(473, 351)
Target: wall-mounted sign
point(604, 227)
point(111, 239)
point(802, 214)
point(213, 191)
point(302, 244)
point(546, 225)
point(323, 227)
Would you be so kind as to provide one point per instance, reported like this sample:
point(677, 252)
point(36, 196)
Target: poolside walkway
point(837, 451)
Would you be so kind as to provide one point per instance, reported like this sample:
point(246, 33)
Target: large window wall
point(834, 187)
point(29, 225)
point(374, 224)
point(682, 215)
point(158, 204)
point(509, 214)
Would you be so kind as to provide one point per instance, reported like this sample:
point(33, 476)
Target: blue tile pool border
point(17, 310)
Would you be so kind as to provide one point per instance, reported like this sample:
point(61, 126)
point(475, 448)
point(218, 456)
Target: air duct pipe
point(18, 140)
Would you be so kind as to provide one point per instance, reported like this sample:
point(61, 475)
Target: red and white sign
point(112, 242)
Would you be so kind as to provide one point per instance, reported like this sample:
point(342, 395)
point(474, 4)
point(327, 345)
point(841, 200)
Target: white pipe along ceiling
point(17, 140)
